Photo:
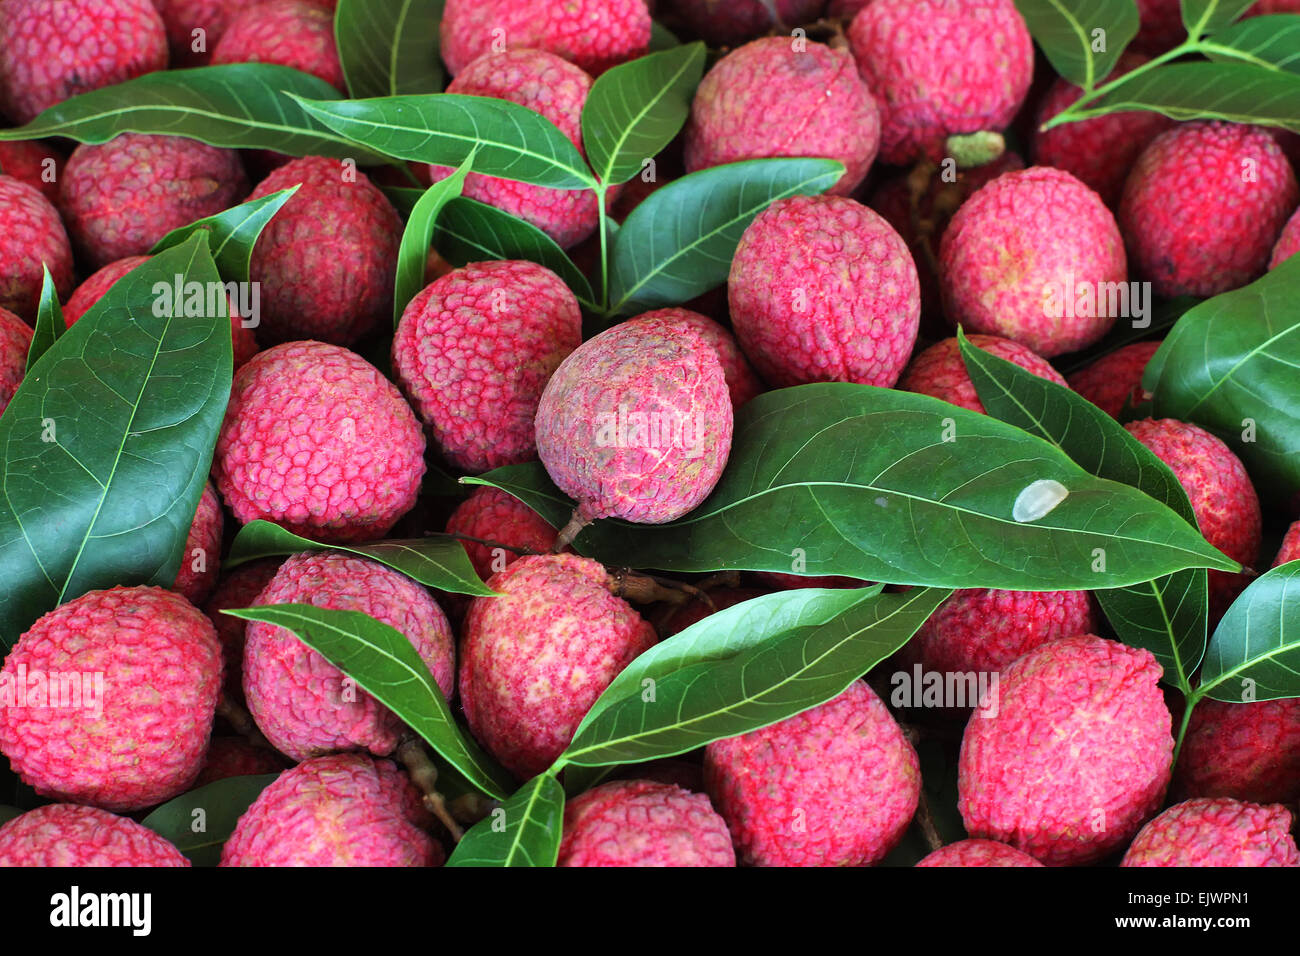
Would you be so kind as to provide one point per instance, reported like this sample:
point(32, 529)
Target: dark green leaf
point(1235, 92)
point(523, 831)
point(232, 233)
point(413, 256)
point(1255, 651)
point(1069, 30)
point(389, 47)
point(50, 324)
point(1266, 41)
point(661, 38)
point(1209, 16)
point(199, 822)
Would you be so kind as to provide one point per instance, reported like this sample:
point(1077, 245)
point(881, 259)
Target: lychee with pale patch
point(67, 834)
point(1216, 832)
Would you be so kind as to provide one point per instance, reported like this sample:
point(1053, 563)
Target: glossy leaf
point(198, 823)
point(524, 831)
point(389, 47)
point(1067, 31)
point(1235, 92)
point(50, 323)
point(1270, 40)
point(413, 256)
point(1257, 644)
point(232, 233)
point(1209, 16)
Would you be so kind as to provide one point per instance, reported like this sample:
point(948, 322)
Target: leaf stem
point(1075, 112)
point(604, 249)
point(1190, 701)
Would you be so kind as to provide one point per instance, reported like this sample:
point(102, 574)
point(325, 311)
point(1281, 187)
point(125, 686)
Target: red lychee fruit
point(731, 22)
point(978, 853)
point(535, 658)
point(31, 234)
point(782, 581)
point(326, 263)
point(845, 9)
point(822, 289)
point(53, 49)
point(293, 33)
point(1218, 832)
point(34, 163)
point(784, 97)
point(642, 823)
point(201, 559)
point(114, 694)
point(939, 68)
point(304, 704)
point(340, 810)
point(1203, 206)
point(1075, 758)
point(836, 785)
point(492, 515)
point(474, 351)
point(65, 834)
point(207, 18)
point(1115, 379)
point(692, 612)
point(1035, 256)
point(940, 372)
point(238, 589)
point(15, 343)
point(236, 757)
point(594, 34)
point(318, 441)
point(1290, 550)
point(1248, 751)
point(1161, 26)
point(742, 382)
point(1288, 242)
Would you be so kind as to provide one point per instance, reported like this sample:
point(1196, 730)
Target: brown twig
point(425, 777)
point(235, 714)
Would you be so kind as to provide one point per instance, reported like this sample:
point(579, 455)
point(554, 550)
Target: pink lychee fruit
point(53, 49)
point(318, 441)
point(692, 612)
point(238, 589)
point(1203, 206)
point(822, 289)
point(1035, 256)
point(15, 342)
point(978, 853)
point(729, 22)
point(115, 693)
point(535, 658)
point(474, 351)
point(293, 33)
point(1115, 379)
point(836, 785)
point(1216, 832)
point(304, 704)
point(65, 834)
point(490, 514)
point(31, 234)
point(1161, 26)
point(642, 823)
point(939, 68)
point(201, 558)
point(1290, 550)
point(340, 810)
point(237, 757)
point(33, 162)
point(1288, 242)
point(1076, 757)
point(940, 372)
point(780, 97)
point(743, 383)
point(194, 27)
point(594, 34)
point(1248, 751)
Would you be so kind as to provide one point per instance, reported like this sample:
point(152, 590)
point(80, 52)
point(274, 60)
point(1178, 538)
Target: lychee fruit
point(779, 97)
point(115, 693)
point(1077, 755)
point(730, 22)
point(822, 289)
point(940, 372)
point(237, 757)
point(1194, 222)
point(490, 514)
point(340, 810)
point(65, 834)
point(535, 658)
point(201, 559)
point(1290, 550)
point(1248, 751)
point(978, 853)
point(939, 68)
point(1115, 379)
point(304, 704)
point(742, 382)
point(474, 351)
point(31, 234)
point(51, 50)
point(783, 581)
point(1161, 26)
point(197, 23)
point(637, 422)
point(594, 34)
point(293, 33)
point(34, 163)
point(1216, 832)
point(238, 589)
point(1288, 242)
point(1035, 256)
point(326, 263)
point(15, 343)
point(318, 441)
point(836, 785)
point(642, 823)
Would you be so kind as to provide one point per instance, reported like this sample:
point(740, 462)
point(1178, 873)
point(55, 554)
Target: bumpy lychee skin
point(294, 33)
point(1288, 243)
point(142, 737)
point(327, 261)
point(31, 233)
point(53, 49)
point(1194, 222)
point(822, 289)
point(637, 422)
point(535, 658)
point(978, 853)
point(780, 97)
point(341, 810)
point(15, 341)
point(474, 351)
point(33, 163)
point(304, 704)
point(940, 372)
point(742, 382)
point(594, 34)
point(1031, 257)
point(1249, 751)
point(238, 589)
point(1115, 379)
point(236, 757)
point(642, 823)
point(201, 559)
point(729, 22)
point(318, 441)
point(118, 199)
point(183, 17)
point(1077, 756)
point(1218, 832)
point(836, 785)
point(1290, 550)
point(65, 834)
point(941, 67)
point(492, 515)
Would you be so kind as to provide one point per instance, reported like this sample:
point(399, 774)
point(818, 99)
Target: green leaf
point(1266, 41)
point(1067, 30)
point(50, 324)
point(437, 561)
point(106, 446)
point(390, 47)
point(661, 38)
point(679, 242)
point(1235, 92)
point(1257, 644)
point(783, 673)
point(635, 110)
point(199, 822)
point(232, 233)
point(1209, 16)
point(382, 661)
point(523, 831)
point(413, 256)
point(884, 485)
point(240, 106)
point(1231, 361)
point(444, 128)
